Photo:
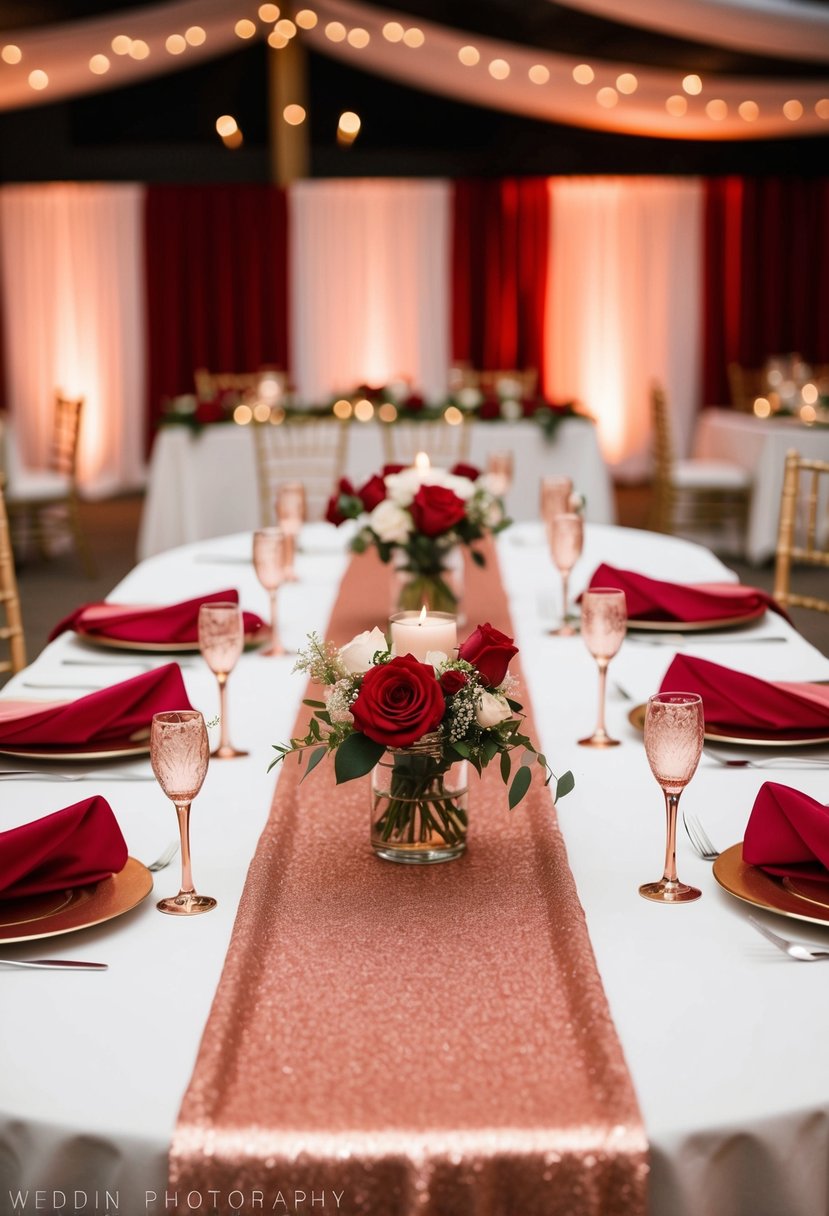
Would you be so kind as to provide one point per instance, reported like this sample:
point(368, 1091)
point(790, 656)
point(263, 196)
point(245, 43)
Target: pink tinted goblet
point(499, 468)
point(603, 627)
point(221, 641)
point(555, 497)
point(566, 537)
point(674, 728)
point(269, 560)
point(290, 514)
point(179, 754)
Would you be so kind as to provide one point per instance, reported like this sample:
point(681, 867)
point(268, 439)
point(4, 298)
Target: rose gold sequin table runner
point(415, 1040)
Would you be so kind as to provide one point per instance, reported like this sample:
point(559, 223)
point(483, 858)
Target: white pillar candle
point(422, 462)
point(419, 632)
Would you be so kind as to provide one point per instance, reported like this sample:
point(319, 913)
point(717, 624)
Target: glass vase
point(419, 805)
point(441, 590)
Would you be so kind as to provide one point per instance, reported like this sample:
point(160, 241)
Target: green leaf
point(461, 748)
point(477, 557)
point(506, 765)
point(315, 704)
point(520, 785)
point(542, 760)
point(356, 756)
point(515, 706)
point(564, 784)
point(314, 759)
point(490, 749)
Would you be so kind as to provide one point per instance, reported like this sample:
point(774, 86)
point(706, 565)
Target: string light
point(627, 83)
point(538, 74)
point(195, 35)
point(607, 97)
point(583, 73)
point(358, 38)
point(99, 64)
point(285, 27)
point(294, 115)
point(469, 56)
point(793, 110)
point(363, 410)
point(749, 111)
point(306, 18)
point(38, 79)
point(139, 49)
point(244, 28)
point(414, 38)
point(499, 69)
point(277, 41)
point(268, 13)
point(717, 109)
point(393, 31)
point(121, 44)
point(11, 53)
point(387, 412)
point(677, 105)
point(175, 44)
point(225, 125)
point(342, 409)
point(335, 31)
point(692, 84)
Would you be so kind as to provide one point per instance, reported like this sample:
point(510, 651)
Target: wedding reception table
point(724, 1037)
point(759, 446)
point(203, 485)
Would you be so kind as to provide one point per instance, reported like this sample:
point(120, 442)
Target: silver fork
point(766, 761)
point(53, 964)
point(31, 774)
point(163, 860)
point(699, 838)
point(798, 950)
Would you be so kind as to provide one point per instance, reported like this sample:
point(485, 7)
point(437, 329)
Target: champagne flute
point(499, 468)
point(269, 558)
point(290, 514)
point(674, 727)
point(555, 497)
point(179, 754)
point(603, 627)
point(566, 537)
point(221, 641)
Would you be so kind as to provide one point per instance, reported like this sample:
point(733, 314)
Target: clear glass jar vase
point(419, 805)
point(440, 590)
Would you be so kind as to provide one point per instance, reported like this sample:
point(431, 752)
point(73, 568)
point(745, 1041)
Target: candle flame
point(422, 616)
point(422, 462)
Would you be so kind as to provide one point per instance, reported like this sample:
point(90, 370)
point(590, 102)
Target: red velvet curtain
point(501, 233)
point(766, 274)
point(217, 283)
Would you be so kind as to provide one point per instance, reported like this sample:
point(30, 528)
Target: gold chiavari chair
point(444, 443)
point(522, 383)
point(308, 450)
point(210, 384)
point(803, 533)
point(11, 631)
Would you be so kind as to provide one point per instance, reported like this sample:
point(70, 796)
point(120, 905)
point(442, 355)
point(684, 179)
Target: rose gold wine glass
point(566, 536)
point(179, 754)
point(290, 514)
point(499, 467)
point(555, 497)
point(674, 726)
point(604, 619)
point(221, 641)
point(269, 557)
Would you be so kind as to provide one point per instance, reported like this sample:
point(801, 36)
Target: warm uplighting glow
point(393, 31)
point(285, 27)
point(268, 12)
point(226, 125)
point(749, 111)
point(808, 414)
point(294, 115)
point(244, 28)
point(717, 109)
point(822, 107)
point(139, 49)
point(809, 393)
point(99, 64)
point(499, 69)
point(761, 407)
point(342, 409)
point(261, 412)
point(121, 44)
point(414, 38)
point(243, 414)
point(453, 415)
point(363, 410)
point(627, 83)
point(692, 84)
point(538, 74)
point(11, 53)
point(175, 44)
point(583, 73)
point(38, 79)
point(306, 19)
point(469, 56)
point(195, 35)
point(387, 412)
point(422, 462)
point(677, 105)
point(358, 38)
point(335, 31)
point(277, 41)
point(793, 110)
point(607, 97)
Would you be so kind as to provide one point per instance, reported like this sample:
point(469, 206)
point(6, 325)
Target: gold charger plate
point(636, 717)
point(94, 639)
point(756, 887)
point(727, 622)
point(129, 748)
point(23, 920)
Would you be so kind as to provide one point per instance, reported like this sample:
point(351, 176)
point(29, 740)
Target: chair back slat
point(12, 631)
point(309, 450)
point(803, 531)
point(445, 444)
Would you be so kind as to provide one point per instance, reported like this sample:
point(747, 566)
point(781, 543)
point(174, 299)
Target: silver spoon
point(53, 964)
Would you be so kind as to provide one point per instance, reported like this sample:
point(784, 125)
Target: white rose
point(468, 398)
point(435, 658)
point(402, 487)
point(491, 709)
point(391, 523)
point(356, 656)
point(511, 409)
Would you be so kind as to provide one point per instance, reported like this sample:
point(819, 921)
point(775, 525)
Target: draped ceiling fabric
point(369, 285)
point(73, 312)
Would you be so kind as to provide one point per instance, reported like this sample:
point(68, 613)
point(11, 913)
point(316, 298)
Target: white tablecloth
point(725, 1038)
point(205, 485)
point(760, 447)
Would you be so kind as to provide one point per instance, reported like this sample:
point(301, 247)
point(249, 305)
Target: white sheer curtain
point(73, 312)
point(624, 305)
point(370, 278)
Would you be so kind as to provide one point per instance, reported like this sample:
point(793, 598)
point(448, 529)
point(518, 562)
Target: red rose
point(209, 411)
point(452, 681)
point(530, 406)
point(332, 512)
point(414, 403)
point(436, 509)
point(490, 409)
point(398, 702)
point(388, 469)
point(372, 493)
point(465, 470)
point(490, 651)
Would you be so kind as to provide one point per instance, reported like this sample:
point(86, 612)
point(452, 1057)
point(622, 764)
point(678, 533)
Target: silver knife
point(53, 964)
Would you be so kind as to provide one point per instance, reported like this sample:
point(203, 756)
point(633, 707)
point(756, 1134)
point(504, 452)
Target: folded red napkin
point(735, 701)
point(168, 623)
point(788, 833)
point(78, 845)
point(117, 714)
point(651, 599)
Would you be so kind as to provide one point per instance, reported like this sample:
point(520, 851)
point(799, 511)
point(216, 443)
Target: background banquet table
point(760, 446)
point(204, 485)
point(724, 1037)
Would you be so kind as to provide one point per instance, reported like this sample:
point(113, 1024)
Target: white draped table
point(204, 485)
point(725, 1038)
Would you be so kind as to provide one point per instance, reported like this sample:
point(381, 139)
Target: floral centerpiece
point(417, 518)
point(417, 724)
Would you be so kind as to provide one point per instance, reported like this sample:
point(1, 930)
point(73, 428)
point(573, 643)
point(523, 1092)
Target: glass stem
point(290, 554)
point(671, 805)
point(600, 726)
point(565, 582)
point(276, 645)
point(183, 812)
point(224, 741)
